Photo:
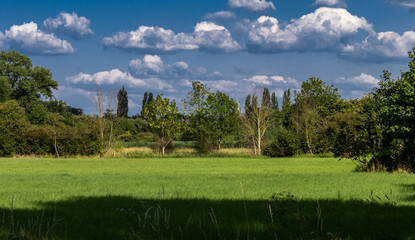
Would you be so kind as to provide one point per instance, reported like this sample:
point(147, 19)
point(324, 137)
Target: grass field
point(202, 198)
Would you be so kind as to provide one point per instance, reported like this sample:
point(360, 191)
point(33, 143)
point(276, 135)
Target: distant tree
point(195, 106)
point(148, 97)
point(28, 84)
point(274, 102)
point(257, 119)
point(223, 117)
point(98, 98)
point(325, 98)
point(266, 98)
point(285, 113)
point(163, 120)
point(122, 109)
point(75, 111)
point(307, 121)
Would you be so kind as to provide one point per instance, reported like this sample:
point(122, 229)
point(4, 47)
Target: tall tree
point(222, 114)
point(28, 84)
point(286, 108)
point(313, 104)
point(122, 108)
point(324, 97)
point(98, 98)
point(257, 119)
point(274, 102)
point(266, 98)
point(395, 99)
point(163, 120)
point(195, 106)
point(147, 98)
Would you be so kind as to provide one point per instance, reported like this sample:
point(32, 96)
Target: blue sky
point(231, 45)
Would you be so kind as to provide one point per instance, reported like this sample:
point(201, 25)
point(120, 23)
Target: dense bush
point(14, 126)
point(284, 145)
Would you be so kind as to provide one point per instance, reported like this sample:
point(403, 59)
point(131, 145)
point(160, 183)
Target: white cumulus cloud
point(330, 3)
point(362, 80)
point(69, 24)
point(150, 65)
point(153, 66)
point(207, 37)
point(29, 38)
point(118, 77)
point(382, 46)
point(324, 29)
point(252, 5)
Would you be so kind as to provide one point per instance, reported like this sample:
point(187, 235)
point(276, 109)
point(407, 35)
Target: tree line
point(376, 129)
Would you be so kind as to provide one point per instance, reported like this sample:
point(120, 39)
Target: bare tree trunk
point(308, 139)
point(99, 102)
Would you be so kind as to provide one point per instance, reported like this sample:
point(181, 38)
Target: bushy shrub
point(13, 127)
point(284, 145)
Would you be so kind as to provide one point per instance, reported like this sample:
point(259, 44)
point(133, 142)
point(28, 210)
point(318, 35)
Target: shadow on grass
point(410, 188)
point(119, 217)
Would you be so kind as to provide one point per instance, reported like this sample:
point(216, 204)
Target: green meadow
point(202, 198)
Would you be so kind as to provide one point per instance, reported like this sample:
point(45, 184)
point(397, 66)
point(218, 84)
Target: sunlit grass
point(104, 198)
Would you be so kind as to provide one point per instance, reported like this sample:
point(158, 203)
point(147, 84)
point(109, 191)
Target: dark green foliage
point(75, 111)
point(5, 89)
point(286, 110)
point(19, 136)
point(355, 130)
point(323, 97)
point(212, 117)
point(148, 97)
point(60, 107)
point(28, 83)
point(122, 108)
point(222, 114)
point(395, 99)
point(13, 128)
point(266, 98)
point(274, 102)
point(199, 126)
point(284, 144)
point(314, 103)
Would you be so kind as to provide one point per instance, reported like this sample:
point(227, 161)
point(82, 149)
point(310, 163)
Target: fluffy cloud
point(116, 76)
point(152, 65)
point(405, 3)
point(69, 24)
point(29, 38)
point(149, 72)
point(252, 5)
point(220, 15)
point(324, 29)
point(381, 46)
point(207, 37)
point(331, 3)
point(272, 80)
point(363, 80)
